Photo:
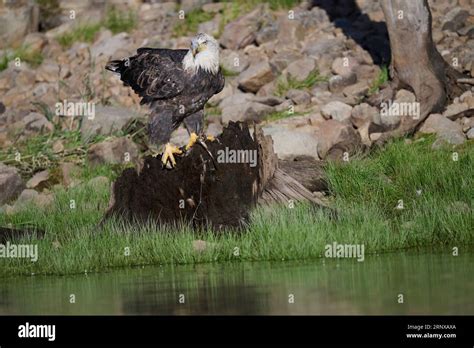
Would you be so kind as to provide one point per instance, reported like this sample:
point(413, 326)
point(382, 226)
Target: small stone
point(338, 82)
point(58, 146)
point(453, 110)
point(470, 133)
point(37, 179)
point(298, 96)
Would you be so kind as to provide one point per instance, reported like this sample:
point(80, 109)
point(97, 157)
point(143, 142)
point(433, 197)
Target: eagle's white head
point(203, 54)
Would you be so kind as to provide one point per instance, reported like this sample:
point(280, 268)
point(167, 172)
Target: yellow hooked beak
point(195, 49)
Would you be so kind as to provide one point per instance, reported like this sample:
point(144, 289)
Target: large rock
point(17, 21)
point(234, 61)
point(344, 65)
point(291, 140)
point(113, 151)
point(48, 72)
point(336, 138)
point(301, 69)
point(455, 19)
point(404, 102)
point(257, 75)
point(247, 111)
point(338, 82)
point(109, 46)
point(364, 113)
point(284, 58)
point(241, 32)
point(189, 5)
point(445, 129)
point(362, 117)
point(11, 184)
point(453, 110)
point(107, 120)
point(337, 111)
point(33, 123)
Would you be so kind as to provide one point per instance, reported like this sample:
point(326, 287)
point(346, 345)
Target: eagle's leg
point(194, 126)
point(160, 127)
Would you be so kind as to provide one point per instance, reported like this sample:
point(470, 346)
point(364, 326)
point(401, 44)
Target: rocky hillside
point(305, 70)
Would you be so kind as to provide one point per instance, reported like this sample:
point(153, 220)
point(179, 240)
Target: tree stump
point(219, 192)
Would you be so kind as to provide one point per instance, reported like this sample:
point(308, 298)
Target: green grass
point(37, 151)
point(228, 73)
point(115, 20)
point(284, 85)
point(238, 8)
point(379, 81)
point(366, 191)
point(81, 33)
point(190, 23)
point(25, 54)
point(278, 115)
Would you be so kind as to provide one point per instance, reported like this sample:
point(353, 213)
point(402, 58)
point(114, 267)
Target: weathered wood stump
point(203, 191)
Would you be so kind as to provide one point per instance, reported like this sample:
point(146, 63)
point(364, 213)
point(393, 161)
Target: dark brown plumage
point(173, 91)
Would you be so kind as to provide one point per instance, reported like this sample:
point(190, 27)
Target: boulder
point(470, 133)
point(284, 58)
point(455, 19)
point(247, 111)
point(106, 121)
point(33, 123)
point(454, 109)
point(444, 128)
point(298, 96)
point(337, 110)
point(257, 75)
point(338, 82)
point(109, 46)
point(241, 32)
point(335, 138)
point(11, 184)
point(291, 141)
point(233, 61)
point(113, 151)
point(344, 65)
point(17, 21)
point(300, 69)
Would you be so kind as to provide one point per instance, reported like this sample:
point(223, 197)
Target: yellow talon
point(192, 140)
point(168, 154)
point(211, 138)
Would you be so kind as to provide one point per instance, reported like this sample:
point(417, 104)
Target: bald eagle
point(176, 84)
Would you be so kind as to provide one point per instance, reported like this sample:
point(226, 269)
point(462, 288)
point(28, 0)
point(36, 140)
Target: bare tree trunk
point(416, 63)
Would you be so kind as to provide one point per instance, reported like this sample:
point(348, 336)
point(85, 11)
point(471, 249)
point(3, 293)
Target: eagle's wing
point(152, 73)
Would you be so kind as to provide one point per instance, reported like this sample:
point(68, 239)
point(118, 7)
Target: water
point(431, 283)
